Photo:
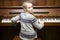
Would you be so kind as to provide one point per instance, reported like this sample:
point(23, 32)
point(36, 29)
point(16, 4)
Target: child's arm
point(38, 24)
point(15, 19)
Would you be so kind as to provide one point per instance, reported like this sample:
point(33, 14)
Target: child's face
point(29, 8)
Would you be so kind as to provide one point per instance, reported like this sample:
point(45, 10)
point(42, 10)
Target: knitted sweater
point(27, 20)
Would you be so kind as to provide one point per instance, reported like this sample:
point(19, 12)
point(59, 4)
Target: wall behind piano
point(35, 2)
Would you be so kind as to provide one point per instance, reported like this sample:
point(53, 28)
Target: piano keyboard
point(6, 21)
point(43, 19)
point(50, 19)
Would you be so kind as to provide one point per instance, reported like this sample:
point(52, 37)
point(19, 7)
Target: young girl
point(28, 20)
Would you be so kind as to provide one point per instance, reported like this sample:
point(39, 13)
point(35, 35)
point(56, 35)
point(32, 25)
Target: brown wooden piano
point(49, 14)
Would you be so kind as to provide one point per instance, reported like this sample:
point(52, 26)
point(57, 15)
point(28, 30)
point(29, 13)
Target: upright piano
point(49, 14)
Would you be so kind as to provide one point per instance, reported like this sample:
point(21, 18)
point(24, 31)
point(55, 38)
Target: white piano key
point(8, 21)
point(50, 19)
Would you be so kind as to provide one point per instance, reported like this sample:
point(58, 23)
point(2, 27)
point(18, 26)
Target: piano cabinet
point(51, 30)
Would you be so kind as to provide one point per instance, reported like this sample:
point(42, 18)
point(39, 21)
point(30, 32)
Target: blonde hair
point(26, 2)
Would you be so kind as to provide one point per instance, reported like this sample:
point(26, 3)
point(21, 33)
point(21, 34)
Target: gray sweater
point(27, 20)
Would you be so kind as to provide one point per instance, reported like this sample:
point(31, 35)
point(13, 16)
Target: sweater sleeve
point(38, 24)
point(15, 19)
